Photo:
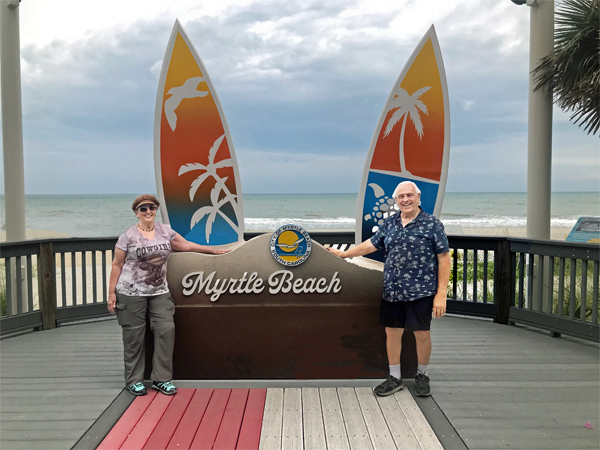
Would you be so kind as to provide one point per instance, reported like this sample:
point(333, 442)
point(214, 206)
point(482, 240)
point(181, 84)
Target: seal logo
point(291, 245)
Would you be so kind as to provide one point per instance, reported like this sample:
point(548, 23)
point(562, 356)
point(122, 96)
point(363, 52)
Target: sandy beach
point(38, 234)
point(557, 233)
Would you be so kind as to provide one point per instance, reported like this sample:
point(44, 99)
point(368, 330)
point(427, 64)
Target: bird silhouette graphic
point(290, 246)
point(179, 93)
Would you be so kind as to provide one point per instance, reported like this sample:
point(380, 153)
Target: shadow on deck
point(499, 386)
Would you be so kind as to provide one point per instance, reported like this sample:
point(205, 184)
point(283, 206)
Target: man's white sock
point(395, 371)
point(422, 369)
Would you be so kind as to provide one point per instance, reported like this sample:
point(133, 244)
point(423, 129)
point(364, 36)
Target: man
point(415, 278)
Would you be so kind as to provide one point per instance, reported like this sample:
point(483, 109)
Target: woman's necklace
point(145, 229)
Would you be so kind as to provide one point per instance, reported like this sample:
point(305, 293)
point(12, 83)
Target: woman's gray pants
point(131, 315)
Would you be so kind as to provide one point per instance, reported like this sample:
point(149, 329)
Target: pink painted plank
point(127, 422)
point(232, 420)
point(165, 429)
point(207, 431)
point(146, 425)
point(186, 430)
point(249, 437)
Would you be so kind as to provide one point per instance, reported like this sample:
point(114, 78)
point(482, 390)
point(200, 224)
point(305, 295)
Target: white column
point(12, 123)
point(539, 156)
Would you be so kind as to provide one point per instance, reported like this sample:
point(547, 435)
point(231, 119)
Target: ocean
point(110, 215)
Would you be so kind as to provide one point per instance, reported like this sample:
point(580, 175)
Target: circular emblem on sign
point(290, 245)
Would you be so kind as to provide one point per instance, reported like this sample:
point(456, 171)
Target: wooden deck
point(500, 387)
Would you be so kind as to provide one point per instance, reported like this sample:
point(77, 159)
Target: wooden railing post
point(47, 285)
point(502, 281)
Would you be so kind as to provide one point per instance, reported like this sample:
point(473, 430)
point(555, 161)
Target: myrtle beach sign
point(282, 281)
point(252, 316)
point(254, 269)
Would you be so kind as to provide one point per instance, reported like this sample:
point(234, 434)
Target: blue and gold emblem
point(291, 245)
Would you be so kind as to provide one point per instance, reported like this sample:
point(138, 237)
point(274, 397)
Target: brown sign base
point(279, 336)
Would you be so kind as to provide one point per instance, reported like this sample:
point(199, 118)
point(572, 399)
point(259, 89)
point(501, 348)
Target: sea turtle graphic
point(383, 207)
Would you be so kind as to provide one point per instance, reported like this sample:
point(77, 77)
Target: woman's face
point(145, 211)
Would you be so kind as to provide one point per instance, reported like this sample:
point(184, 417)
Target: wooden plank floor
point(514, 387)
point(56, 383)
point(500, 386)
point(277, 418)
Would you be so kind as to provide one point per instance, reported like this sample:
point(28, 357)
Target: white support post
point(539, 156)
point(12, 121)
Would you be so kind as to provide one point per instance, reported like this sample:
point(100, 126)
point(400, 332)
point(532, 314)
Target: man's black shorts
point(412, 316)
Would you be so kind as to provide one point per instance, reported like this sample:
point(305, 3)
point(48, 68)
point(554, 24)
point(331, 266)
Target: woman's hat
point(142, 199)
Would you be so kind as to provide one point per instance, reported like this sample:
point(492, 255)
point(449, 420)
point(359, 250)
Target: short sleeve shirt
point(411, 267)
point(145, 270)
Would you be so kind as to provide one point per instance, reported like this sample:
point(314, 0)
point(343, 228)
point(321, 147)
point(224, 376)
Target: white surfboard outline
point(178, 28)
point(446, 153)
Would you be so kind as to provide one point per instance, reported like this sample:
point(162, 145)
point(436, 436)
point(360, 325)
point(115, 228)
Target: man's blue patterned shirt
point(411, 266)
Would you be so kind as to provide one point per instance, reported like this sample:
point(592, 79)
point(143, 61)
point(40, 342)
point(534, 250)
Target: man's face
point(408, 200)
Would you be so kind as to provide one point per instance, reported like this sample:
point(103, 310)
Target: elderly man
point(415, 278)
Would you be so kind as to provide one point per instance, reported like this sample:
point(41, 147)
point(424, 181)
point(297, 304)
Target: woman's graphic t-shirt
point(145, 269)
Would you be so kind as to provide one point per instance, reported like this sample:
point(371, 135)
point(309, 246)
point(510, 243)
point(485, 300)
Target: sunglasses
point(145, 208)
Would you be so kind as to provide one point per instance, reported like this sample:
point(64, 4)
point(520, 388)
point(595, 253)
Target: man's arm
point(361, 249)
point(439, 302)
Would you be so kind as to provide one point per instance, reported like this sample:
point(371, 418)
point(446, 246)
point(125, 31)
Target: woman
point(138, 286)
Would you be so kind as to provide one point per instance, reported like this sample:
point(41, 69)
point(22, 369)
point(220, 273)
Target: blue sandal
point(166, 387)
point(137, 389)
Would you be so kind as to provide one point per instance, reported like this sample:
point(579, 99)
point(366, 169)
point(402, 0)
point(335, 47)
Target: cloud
point(297, 80)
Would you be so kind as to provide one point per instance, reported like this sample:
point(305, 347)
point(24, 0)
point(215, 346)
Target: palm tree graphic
point(210, 170)
point(406, 105)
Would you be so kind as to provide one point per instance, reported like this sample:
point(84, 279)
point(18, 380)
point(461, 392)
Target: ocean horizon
point(98, 215)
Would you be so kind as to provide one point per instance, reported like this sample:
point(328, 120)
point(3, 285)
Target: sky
point(302, 84)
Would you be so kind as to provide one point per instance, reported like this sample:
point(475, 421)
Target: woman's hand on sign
point(220, 251)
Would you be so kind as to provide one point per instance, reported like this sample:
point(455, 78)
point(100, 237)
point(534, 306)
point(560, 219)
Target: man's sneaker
point(389, 386)
point(166, 387)
point(422, 388)
point(137, 389)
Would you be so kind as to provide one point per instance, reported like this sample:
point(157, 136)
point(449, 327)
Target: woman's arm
point(115, 273)
point(180, 244)
point(362, 249)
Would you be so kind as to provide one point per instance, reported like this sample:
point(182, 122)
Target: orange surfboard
point(197, 176)
point(411, 141)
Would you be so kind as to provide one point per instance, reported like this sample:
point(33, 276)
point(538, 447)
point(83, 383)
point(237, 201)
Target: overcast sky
point(302, 84)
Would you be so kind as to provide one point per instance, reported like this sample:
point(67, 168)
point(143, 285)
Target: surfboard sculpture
point(197, 176)
point(411, 141)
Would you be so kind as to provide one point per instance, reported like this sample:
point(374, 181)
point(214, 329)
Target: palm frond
point(196, 184)
point(214, 193)
point(199, 215)
point(213, 150)
point(570, 74)
point(396, 117)
point(223, 163)
point(209, 223)
point(190, 167)
point(422, 106)
point(415, 117)
point(415, 95)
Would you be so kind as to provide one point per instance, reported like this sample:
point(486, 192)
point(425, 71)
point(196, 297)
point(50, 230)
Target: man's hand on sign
point(335, 251)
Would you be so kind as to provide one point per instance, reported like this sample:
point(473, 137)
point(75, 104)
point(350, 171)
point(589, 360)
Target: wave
point(336, 223)
point(264, 223)
point(502, 221)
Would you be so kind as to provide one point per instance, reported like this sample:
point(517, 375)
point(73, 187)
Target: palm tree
point(406, 105)
point(210, 170)
point(571, 72)
point(215, 208)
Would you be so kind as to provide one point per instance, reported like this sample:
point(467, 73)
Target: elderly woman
point(138, 287)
